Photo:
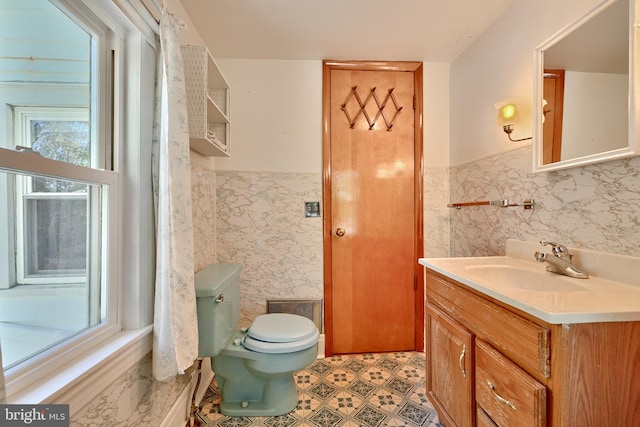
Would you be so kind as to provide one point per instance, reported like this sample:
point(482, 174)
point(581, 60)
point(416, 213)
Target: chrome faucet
point(560, 261)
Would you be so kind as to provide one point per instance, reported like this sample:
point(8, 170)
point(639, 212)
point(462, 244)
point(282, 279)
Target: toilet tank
point(218, 305)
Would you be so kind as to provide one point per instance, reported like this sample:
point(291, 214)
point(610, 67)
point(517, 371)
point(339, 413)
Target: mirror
point(584, 100)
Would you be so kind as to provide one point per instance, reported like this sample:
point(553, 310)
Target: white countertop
point(556, 299)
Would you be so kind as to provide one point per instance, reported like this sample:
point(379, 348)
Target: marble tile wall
point(593, 207)
point(436, 212)
point(203, 194)
point(261, 225)
point(133, 399)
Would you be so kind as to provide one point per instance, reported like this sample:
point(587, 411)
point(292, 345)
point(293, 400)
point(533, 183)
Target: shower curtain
point(175, 338)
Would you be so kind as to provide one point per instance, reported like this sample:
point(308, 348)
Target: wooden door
point(450, 373)
point(373, 207)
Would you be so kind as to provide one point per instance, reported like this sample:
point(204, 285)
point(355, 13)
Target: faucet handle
point(557, 249)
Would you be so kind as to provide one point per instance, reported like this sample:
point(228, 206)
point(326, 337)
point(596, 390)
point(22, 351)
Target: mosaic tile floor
point(366, 390)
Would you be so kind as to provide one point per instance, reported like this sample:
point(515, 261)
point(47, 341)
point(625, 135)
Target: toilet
point(254, 366)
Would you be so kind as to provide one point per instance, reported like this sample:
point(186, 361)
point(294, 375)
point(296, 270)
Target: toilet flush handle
point(220, 298)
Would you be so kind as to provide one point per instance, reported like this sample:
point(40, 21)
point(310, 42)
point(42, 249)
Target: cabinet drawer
point(522, 340)
point(482, 419)
point(508, 395)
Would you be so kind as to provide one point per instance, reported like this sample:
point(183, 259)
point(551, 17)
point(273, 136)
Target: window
point(52, 238)
point(61, 213)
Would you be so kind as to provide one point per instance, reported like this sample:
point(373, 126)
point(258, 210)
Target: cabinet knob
point(340, 232)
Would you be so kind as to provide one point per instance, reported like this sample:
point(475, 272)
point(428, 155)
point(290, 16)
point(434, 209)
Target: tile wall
point(593, 207)
point(261, 225)
point(203, 194)
point(436, 213)
point(133, 399)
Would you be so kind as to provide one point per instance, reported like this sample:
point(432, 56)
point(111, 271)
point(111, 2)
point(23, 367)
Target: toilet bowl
point(254, 366)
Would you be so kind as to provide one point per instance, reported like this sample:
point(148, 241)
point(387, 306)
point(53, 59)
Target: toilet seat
point(281, 333)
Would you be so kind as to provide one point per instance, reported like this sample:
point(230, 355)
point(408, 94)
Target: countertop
point(557, 299)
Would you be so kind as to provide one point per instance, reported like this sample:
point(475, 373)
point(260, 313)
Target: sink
point(526, 279)
point(610, 294)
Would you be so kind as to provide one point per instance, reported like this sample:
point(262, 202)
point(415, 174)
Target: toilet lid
point(282, 328)
point(281, 333)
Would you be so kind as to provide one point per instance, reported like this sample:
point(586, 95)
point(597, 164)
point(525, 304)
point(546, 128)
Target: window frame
point(27, 372)
point(126, 334)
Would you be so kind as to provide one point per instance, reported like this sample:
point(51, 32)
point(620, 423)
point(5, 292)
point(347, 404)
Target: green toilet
point(254, 366)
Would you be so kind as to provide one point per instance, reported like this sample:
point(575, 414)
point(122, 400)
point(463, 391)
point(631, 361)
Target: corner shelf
point(208, 99)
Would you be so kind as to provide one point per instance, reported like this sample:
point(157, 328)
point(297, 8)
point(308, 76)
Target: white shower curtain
point(175, 340)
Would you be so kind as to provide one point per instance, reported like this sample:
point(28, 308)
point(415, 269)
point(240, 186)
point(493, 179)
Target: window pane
point(67, 141)
point(56, 235)
point(51, 65)
point(56, 291)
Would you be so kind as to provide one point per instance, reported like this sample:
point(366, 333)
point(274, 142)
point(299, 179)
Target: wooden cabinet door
point(450, 369)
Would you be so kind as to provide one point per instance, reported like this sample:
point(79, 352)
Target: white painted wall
point(276, 115)
point(436, 114)
point(500, 66)
point(276, 111)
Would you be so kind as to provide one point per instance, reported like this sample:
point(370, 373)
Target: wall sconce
point(508, 117)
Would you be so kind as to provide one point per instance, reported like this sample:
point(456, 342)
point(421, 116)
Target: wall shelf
point(208, 99)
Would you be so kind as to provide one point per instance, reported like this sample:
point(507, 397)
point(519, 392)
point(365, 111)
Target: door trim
point(417, 69)
point(551, 150)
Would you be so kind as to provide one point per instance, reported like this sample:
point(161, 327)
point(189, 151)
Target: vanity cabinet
point(208, 99)
point(490, 364)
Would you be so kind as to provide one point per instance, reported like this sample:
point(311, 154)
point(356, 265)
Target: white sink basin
point(610, 294)
point(504, 275)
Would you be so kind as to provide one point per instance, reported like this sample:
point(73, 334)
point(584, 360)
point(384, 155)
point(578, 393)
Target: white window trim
point(78, 382)
point(85, 374)
point(26, 373)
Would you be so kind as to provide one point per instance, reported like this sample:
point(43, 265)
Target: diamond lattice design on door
point(361, 108)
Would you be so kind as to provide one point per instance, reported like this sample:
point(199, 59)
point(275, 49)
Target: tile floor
point(366, 390)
